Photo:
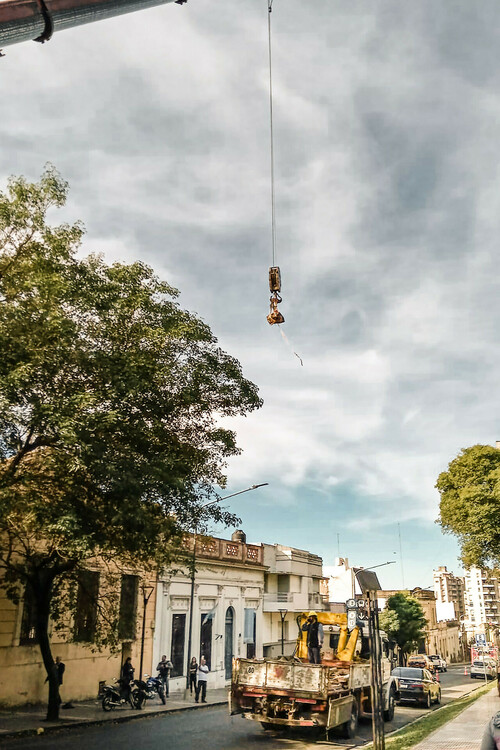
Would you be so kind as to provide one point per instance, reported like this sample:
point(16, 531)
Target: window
point(206, 638)
point(27, 635)
point(86, 606)
point(249, 632)
point(177, 647)
point(128, 607)
point(283, 584)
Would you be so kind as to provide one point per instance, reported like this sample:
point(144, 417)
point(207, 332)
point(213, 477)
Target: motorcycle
point(151, 687)
point(116, 695)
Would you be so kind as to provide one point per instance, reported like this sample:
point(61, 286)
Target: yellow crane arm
point(347, 643)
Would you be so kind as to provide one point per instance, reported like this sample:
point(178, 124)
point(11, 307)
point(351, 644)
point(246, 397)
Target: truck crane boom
point(37, 20)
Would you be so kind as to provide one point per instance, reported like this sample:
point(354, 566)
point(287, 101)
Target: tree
point(404, 622)
point(111, 399)
point(470, 504)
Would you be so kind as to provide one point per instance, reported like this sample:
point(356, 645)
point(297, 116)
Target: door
point(228, 642)
point(206, 638)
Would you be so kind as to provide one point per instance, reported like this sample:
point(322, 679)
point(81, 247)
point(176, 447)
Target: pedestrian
point(315, 638)
point(193, 671)
point(59, 668)
point(201, 687)
point(126, 677)
point(164, 667)
point(491, 736)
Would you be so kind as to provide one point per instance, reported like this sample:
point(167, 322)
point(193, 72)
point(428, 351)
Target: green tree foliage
point(111, 399)
point(404, 622)
point(470, 504)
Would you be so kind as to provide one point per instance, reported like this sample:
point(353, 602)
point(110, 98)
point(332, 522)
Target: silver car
point(481, 668)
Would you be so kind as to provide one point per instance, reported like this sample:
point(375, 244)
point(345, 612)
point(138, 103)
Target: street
point(213, 729)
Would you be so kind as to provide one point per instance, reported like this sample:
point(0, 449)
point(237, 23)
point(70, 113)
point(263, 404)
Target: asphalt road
point(214, 729)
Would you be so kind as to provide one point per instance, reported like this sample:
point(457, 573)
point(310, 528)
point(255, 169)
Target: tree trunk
point(42, 583)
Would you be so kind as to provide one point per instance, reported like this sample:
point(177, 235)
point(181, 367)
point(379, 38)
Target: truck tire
point(349, 729)
point(389, 711)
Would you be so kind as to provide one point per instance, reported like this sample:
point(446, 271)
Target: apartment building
point(449, 590)
point(293, 584)
point(482, 602)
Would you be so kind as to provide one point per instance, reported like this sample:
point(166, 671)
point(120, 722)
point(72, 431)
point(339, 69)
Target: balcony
point(293, 602)
point(226, 550)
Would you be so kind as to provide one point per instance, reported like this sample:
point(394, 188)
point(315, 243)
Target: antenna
point(401, 556)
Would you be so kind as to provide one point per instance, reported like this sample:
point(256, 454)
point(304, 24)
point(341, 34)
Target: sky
point(386, 121)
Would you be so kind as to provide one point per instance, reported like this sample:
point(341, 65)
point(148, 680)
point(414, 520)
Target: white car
point(480, 668)
point(440, 664)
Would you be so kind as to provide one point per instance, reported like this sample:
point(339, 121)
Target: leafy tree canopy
point(110, 403)
point(470, 504)
point(404, 621)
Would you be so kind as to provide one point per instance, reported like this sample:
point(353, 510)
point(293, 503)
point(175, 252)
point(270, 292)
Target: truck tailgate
point(277, 675)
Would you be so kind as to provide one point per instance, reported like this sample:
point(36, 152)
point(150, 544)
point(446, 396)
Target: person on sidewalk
point(203, 671)
point(164, 667)
point(315, 638)
point(193, 671)
point(491, 736)
point(126, 677)
point(59, 668)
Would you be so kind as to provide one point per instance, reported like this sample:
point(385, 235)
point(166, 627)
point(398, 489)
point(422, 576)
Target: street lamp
point(146, 596)
point(193, 564)
point(283, 614)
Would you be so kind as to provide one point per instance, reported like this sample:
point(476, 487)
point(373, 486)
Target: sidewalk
point(465, 731)
point(31, 719)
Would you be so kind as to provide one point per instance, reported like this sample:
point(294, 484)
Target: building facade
point(482, 603)
point(292, 585)
point(22, 673)
point(226, 617)
point(449, 590)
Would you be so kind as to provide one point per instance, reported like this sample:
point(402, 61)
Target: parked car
point(421, 661)
point(481, 667)
point(416, 685)
point(439, 663)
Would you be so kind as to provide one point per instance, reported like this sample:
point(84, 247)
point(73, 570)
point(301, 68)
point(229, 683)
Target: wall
point(22, 674)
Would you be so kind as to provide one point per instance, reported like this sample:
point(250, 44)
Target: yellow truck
point(291, 692)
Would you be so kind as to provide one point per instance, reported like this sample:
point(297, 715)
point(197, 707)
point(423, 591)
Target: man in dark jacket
point(314, 638)
point(164, 667)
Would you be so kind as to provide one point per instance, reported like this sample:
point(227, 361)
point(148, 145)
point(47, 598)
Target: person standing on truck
point(315, 638)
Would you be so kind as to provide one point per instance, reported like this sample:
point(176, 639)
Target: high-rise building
point(482, 600)
point(449, 590)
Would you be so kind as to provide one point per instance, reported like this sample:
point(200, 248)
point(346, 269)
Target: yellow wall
point(22, 674)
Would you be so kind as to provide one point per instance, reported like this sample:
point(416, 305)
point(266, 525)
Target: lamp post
point(193, 566)
point(146, 596)
point(283, 614)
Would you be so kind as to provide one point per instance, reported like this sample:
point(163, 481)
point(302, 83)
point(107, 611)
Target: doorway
point(228, 642)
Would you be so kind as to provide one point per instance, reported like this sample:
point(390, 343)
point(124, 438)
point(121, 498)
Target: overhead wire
point(273, 204)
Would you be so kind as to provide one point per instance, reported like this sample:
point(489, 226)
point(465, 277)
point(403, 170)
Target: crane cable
point(273, 207)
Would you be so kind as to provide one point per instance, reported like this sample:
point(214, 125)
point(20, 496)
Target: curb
point(424, 716)
point(101, 722)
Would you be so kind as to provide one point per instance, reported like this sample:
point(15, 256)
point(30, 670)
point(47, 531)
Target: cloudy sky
point(387, 125)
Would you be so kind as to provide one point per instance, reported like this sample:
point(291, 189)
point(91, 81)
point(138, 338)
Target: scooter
point(152, 687)
point(117, 695)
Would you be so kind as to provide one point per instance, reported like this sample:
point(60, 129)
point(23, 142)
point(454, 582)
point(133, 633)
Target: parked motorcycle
point(116, 695)
point(151, 687)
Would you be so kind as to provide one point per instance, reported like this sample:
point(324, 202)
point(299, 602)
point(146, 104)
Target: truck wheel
point(350, 728)
point(389, 711)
